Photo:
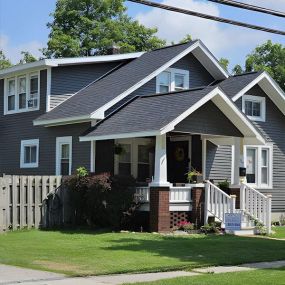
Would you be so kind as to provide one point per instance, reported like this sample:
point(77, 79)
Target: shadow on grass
point(204, 251)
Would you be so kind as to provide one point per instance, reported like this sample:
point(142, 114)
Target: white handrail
point(217, 202)
point(256, 205)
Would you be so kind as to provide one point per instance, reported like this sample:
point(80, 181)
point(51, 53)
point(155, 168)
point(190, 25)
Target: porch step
point(246, 231)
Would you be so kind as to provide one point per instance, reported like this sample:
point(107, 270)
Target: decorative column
point(159, 190)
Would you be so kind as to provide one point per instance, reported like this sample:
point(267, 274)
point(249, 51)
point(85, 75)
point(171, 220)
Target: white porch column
point(235, 161)
point(160, 169)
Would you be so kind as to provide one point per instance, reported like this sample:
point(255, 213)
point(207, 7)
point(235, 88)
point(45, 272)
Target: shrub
point(185, 226)
point(213, 228)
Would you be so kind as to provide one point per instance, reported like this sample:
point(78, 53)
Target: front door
point(177, 161)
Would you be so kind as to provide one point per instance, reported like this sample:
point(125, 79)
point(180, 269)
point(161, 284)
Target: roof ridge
point(174, 45)
point(247, 73)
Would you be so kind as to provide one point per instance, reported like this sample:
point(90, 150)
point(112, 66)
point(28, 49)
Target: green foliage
point(186, 39)
point(192, 175)
point(271, 58)
point(224, 62)
point(27, 57)
point(224, 184)
point(213, 228)
point(99, 200)
point(237, 70)
point(90, 27)
point(4, 61)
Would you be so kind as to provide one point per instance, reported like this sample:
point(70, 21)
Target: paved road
point(15, 275)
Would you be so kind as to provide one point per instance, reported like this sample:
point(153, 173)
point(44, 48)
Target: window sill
point(21, 111)
point(29, 166)
point(257, 119)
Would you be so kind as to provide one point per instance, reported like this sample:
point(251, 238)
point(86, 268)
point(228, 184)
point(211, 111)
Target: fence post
point(242, 197)
point(268, 212)
point(206, 212)
point(233, 203)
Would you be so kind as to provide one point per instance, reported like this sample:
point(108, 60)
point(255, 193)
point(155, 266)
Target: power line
point(250, 7)
point(209, 17)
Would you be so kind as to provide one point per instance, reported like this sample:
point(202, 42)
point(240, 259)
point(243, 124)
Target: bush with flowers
point(184, 226)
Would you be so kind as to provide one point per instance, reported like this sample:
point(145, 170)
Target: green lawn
point(93, 253)
point(279, 232)
point(256, 277)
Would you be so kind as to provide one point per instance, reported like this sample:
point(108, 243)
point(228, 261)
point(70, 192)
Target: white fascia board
point(120, 136)
point(231, 111)
point(57, 122)
point(145, 80)
point(67, 61)
point(210, 62)
point(269, 86)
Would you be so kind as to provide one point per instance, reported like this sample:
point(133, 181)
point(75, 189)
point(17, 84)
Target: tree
point(187, 38)
point(27, 57)
point(4, 61)
point(89, 27)
point(269, 57)
point(237, 70)
point(224, 63)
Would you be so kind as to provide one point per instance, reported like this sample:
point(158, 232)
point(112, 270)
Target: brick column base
point(236, 191)
point(198, 205)
point(159, 209)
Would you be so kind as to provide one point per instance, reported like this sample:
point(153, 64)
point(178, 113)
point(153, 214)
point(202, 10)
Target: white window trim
point(259, 185)
point(24, 143)
point(135, 142)
point(60, 141)
point(261, 100)
point(172, 72)
point(16, 77)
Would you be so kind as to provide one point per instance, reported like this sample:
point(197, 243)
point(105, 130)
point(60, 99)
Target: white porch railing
point(217, 202)
point(177, 194)
point(256, 205)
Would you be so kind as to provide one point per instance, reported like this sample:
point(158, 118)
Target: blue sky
point(23, 25)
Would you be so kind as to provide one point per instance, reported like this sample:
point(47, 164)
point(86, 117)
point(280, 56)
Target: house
point(153, 115)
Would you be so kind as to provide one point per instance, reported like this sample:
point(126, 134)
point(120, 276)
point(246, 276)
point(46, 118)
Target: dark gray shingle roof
point(88, 100)
point(234, 84)
point(148, 113)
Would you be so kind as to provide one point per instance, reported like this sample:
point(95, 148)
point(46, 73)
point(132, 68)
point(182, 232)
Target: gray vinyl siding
point(208, 119)
point(273, 130)
point(218, 162)
point(55, 100)
point(72, 78)
point(17, 127)
point(198, 76)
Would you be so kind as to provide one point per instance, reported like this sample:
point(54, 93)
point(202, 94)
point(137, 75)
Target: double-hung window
point(254, 107)
point(63, 155)
point(171, 80)
point(22, 93)
point(125, 160)
point(29, 154)
point(259, 166)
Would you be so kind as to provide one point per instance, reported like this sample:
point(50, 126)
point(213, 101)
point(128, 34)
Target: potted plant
point(194, 176)
point(118, 149)
point(224, 185)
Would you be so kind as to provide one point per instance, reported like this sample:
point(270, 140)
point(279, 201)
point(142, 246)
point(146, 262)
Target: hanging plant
point(118, 149)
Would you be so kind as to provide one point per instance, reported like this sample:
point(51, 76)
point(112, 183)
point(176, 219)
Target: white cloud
point(271, 4)
point(14, 52)
point(223, 40)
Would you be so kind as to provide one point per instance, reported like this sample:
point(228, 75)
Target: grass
point(255, 277)
point(279, 232)
point(94, 253)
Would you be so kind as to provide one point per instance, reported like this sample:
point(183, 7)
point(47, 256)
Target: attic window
point(254, 107)
point(172, 79)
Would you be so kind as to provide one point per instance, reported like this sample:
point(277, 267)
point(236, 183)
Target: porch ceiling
point(161, 113)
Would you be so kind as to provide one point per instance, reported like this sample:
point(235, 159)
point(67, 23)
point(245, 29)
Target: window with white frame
point(136, 158)
point(259, 165)
point(22, 93)
point(254, 107)
point(63, 155)
point(172, 79)
point(29, 153)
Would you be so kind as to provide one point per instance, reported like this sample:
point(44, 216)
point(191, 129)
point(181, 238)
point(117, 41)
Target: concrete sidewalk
point(15, 275)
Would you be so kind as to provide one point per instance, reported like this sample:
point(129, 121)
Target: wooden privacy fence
point(21, 200)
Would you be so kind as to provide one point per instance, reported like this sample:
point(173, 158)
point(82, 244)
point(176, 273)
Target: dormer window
point(172, 79)
point(22, 93)
point(254, 107)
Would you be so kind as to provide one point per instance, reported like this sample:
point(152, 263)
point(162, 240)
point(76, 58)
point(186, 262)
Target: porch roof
point(160, 113)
